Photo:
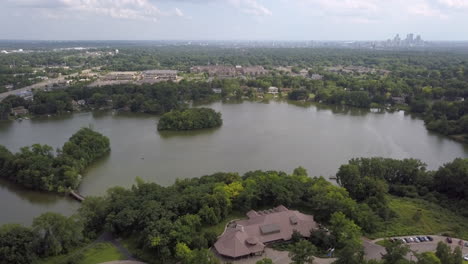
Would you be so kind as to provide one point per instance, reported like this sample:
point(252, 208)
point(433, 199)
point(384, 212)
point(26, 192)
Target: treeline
point(37, 167)
point(447, 118)
point(190, 119)
point(155, 99)
point(370, 179)
point(51, 234)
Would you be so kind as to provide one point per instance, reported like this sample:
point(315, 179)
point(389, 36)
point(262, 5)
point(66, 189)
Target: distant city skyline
point(297, 20)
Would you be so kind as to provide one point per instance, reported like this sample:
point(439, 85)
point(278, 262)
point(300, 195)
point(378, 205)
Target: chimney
point(240, 228)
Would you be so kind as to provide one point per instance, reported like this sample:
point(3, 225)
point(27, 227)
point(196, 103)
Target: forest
point(38, 167)
point(173, 224)
point(190, 119)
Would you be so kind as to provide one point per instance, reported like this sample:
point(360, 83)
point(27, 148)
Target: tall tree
point(18, 244)
point(302, 252)
point(58, 234)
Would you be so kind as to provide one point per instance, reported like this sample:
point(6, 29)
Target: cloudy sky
point(232, 19)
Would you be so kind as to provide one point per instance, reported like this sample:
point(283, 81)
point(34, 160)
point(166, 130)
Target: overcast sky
point(232, 19)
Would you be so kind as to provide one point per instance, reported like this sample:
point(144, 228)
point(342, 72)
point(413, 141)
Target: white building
point(273, 90)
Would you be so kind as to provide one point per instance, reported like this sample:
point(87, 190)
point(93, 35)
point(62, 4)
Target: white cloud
point(122, 9)
point(359, 11)
point(454, 3)
point(251, 7)
point(179, 13)
point(423, 8)
point(344, 7)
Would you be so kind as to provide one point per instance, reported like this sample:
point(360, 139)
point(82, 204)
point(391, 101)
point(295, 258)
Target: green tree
point(457, 256)
point(18, 244)
point(302, 252)
point(395, 253)
point(345, 230)
point(443, 253)
point(264, 261)
point(428, 258)
point(351, 253)
point(58, 234)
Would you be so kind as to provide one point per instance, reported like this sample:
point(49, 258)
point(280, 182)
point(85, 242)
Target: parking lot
point(374, 251)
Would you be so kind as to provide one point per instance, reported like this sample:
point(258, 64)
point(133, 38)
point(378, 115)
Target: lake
point(265, 136)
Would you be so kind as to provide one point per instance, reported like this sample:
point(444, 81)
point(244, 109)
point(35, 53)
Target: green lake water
point(266, 136)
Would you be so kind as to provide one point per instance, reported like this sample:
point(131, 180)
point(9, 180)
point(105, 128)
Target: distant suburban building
point(230, 71)
point(20, 110)
point(316, 76)
point(273, 90)
point(159, 75)
point(398, 100)
point(120, 76)
point(217, 90)
point(26, 95)
point(286, 90)
point(245, 238)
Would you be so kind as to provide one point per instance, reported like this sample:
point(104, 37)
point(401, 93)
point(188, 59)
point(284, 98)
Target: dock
point(77, 196)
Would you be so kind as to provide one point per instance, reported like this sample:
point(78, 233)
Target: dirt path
point(108, 237)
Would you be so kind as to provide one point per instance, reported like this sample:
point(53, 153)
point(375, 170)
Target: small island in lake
point(190, 119)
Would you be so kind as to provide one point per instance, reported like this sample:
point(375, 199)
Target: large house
point(224, 71)
point(159, 75)
point(273, 90)
point(19, 111)
point(248, 237)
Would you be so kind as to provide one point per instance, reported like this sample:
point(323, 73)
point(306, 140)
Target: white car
point(466, 257)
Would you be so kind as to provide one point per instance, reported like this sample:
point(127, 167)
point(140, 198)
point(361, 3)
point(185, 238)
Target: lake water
point(273, 136)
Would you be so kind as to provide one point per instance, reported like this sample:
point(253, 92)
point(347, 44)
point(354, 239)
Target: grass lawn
point(98, 253)
point(219, 228)
point(131, 243)
point(419, 217)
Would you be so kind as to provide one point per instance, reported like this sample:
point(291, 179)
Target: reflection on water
point(268, 136)
point(29, 196)
point(191, 133)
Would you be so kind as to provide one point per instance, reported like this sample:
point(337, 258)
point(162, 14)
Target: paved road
point(36, 86)
point(374, 251)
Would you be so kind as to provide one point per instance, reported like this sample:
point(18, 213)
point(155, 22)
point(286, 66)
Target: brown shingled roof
point(263, 227)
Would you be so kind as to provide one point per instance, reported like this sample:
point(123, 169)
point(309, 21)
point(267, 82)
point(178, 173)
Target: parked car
point(466, 244)
point(466, 257)
point(416, 239)
point(430, 238)
point(449, 240)
point(407, 240)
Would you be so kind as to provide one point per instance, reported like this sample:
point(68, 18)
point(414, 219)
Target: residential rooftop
point(249, 237)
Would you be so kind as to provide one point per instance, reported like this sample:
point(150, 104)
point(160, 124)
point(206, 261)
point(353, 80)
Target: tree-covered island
point(38, 168)
point(190, 119)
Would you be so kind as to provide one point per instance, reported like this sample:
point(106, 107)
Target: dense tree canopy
point(37, 167)
point(190, 119)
